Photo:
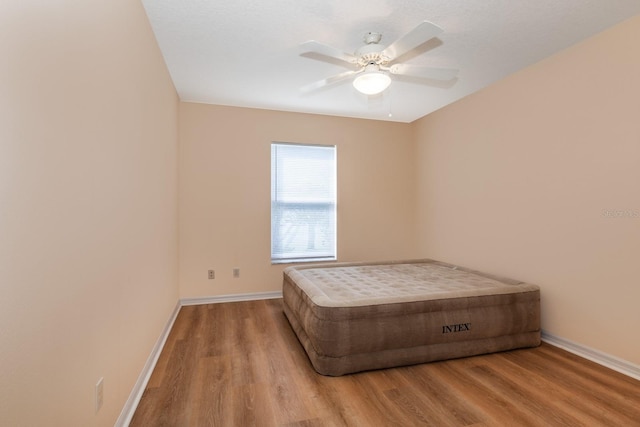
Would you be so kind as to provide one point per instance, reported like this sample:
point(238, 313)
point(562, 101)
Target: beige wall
point(88, 207)
point(520, 180)
point(225, 192)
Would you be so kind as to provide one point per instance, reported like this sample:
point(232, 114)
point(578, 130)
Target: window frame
point(300, 257)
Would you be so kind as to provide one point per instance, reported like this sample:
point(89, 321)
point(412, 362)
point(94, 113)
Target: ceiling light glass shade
point(372, 82)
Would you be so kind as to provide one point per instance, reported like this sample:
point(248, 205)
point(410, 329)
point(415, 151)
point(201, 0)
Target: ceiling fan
point(376, 62)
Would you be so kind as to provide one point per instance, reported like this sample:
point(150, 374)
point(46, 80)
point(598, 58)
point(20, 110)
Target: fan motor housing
point(371, 54)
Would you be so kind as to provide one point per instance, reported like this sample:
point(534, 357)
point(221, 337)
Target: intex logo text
point(460, 327)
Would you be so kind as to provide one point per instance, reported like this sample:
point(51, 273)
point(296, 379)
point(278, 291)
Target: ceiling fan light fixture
point(372, 81)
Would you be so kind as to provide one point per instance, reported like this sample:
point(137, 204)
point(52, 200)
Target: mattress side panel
point(518, 313)
point(304, 340)
point(336, 366)
point(301, 312)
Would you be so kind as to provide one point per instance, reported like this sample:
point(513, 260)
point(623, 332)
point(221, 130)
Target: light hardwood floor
point(240, 364)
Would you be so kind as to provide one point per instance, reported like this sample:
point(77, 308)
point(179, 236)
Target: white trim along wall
point(630, 369)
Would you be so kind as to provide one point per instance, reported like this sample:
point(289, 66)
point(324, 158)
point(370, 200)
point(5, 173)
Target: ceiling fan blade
point(423, 72)
point(313, 46)
point(414, 38)
point(329, 80)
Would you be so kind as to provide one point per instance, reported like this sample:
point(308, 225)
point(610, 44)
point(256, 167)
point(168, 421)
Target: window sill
point(301, 260)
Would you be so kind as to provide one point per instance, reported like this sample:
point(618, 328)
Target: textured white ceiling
point(246, 52)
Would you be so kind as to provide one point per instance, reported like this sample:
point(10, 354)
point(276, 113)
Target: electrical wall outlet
point(212, 274)
point(236, 273)
point(99, 394)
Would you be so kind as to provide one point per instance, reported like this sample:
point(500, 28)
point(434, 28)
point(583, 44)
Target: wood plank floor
point(240, 364)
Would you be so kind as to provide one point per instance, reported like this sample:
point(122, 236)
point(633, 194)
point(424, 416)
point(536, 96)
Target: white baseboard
point(138, 389)
point(230, 298)
point(611, 362)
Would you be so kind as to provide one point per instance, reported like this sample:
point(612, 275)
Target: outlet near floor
point(236, 273)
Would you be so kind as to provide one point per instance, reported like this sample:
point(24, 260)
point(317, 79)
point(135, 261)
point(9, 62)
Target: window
point(303, 202)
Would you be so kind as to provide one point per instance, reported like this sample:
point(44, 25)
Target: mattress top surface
point(383, 283)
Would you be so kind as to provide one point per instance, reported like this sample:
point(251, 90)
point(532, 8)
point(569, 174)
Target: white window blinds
point(303, 202)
